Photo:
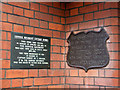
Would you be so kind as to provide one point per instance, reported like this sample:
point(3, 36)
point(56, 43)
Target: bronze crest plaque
point(88, 50)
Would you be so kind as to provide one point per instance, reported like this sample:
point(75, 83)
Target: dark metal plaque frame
point(15, 53)
point(88, 50)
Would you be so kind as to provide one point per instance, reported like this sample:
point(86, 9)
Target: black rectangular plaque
point(29, 51)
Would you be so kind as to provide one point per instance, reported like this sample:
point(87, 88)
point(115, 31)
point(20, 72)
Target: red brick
point(101, 6)
point(62, 80)
point(90, 87)
point(74, 80)
point(101, 73)
point(114, 12)
point(89, 81)
point(43, 32)
point(106, 13)
point(73, 5)
point(73, 72)
point(111, 5)
point(56, 72)
point(62, 49)
point(88, 16)
point(8, 54)
point(47, 3)
point(5, 83)
point(56, 26)
point(28, 13)
point(67, 72)
point(55, 64)
point(56, 19)
point(42, 81)
point(7, 8)
point(67, 27)
point(112, 46)
point(18, 28)
point(43, 8)
point(112, 29)
point(34, 6)
point(56, 49)
point(16, 82)
point(28, 82)
point(66, 50)
point(88, 3)
point(16, 73)
point(66, 43)
point(2, 73)
point(43, 16)
point(67, 13)
point(112, 73)
point(33, 73)
point(56, 34)
point(63, 35)
point(90, 24)
point(62, 5)
point(56, 11)
point(56, 80)
point(43, 24)
point(57, 42)
point(62, 65)
point(1, 25)
point(74, 12)
point(101, 22)
point(113, 64)
point(89, 73)
point(113, 38)
point(56, 4)
point(35, 87)
point(62, 20)
point(111, 21)
point(113, 55)
point(17, 19)
point(20, 4)
point(6, 44)
point(56, 86)
point(43, 72)
point(87, 9)
point(74, 86)
point(5, 63)
point(4, 17)
point(28, 30)
point(58, 57)
point(6, 26)
point(74, 19)
point(18, 11)
point(34, 22)
point(3, 35)
point(8, 36)
point(110, 81)
point(73, 27)
point(4, 54)
point(43, 87)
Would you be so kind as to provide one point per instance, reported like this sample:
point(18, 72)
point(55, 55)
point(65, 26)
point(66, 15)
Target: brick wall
point(56, 20)
point(44, 19)
point(91, 16)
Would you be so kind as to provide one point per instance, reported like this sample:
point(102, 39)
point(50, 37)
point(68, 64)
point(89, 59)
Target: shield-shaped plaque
point(88, 50)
